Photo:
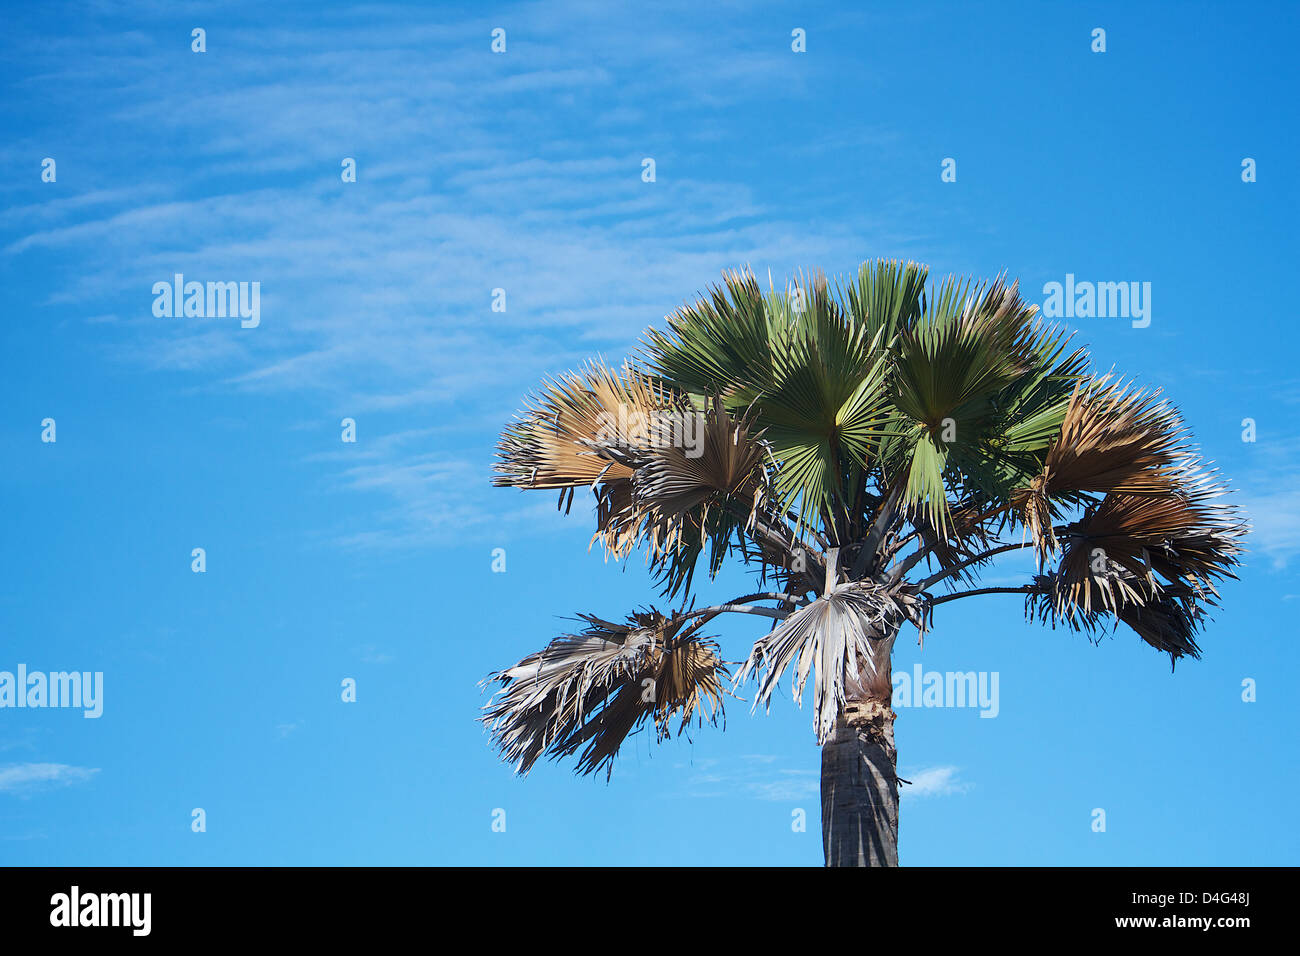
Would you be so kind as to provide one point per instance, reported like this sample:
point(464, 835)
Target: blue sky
point(522, 171)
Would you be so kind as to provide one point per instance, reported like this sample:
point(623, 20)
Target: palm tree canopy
point(837, 439)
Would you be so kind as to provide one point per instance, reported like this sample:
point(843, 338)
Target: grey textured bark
point(860, 794)
point(859, 776)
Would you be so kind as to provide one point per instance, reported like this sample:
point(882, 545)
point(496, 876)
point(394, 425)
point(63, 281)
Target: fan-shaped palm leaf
point(674, 485)
point(1112, 440)
point(977, 382)
point(582, 427)
point(723, 344)
point(811, 375)
point(1179, 538)
point(887, 297)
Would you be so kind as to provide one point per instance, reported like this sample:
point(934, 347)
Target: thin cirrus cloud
point(418, 253)
point(27, 778)
point(1268, 492)
point(756, 777)
point(1275, 523)
point(474, 173)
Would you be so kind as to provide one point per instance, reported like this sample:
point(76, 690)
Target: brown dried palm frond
point(591, 690)
point(831, 637)
point(617, 531)
point(1184, 537)
point(1114, 440)
point(674, 486)
point(582, 428)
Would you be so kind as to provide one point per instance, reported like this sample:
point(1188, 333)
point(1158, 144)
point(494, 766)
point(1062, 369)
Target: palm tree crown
point(866, 450)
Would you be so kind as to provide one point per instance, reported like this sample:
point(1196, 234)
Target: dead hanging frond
point(1151, 562)
point(1167, 618)
point(835, 639)
point(591, 690)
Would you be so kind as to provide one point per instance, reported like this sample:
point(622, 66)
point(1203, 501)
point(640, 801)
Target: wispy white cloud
point(1275, 522)
point(752, 775)
point(28, 777)
point(373, 655)
point(789, 785)
point(758, 777)
point(1268, 492)
point(377, 294)
point(934, 782)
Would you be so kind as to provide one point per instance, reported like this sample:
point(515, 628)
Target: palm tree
point(865, 450)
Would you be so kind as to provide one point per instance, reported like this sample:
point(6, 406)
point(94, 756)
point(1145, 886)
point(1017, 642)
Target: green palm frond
point(887, 297)
point(722, 344)
point(812, 375)
point(982, 387)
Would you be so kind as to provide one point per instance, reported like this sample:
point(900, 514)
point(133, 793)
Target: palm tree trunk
point(859, 776)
